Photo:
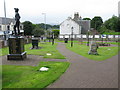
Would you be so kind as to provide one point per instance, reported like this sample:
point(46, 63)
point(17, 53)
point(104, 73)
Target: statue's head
point(16, 9)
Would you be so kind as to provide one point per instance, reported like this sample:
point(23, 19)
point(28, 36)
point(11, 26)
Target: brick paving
point(85, 73)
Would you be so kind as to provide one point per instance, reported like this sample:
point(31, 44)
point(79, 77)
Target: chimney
point(76, 16)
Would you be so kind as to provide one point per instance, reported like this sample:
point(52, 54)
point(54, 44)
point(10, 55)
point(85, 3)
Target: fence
point(96, 37)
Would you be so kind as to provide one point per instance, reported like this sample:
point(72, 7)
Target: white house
point(75, 25)
point(7, 27)
point(8, 22)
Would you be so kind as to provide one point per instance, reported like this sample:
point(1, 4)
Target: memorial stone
point(35, 43)
point(16, 42)
point(93, 48)
point(66, 40)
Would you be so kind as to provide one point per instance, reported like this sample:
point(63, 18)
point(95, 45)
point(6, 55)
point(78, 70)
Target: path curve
point(85, 73)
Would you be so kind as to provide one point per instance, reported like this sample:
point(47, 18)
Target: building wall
point(10, 22)
point(7, 21)
point(65, 27)
point(4, 29)
point(85, 26)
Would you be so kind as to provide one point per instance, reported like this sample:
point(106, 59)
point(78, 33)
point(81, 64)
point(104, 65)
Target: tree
point(113, 24)
point(48, 26)
point(96, 22)
point(55, 26)
point(103, 29)
point(56, 33)
point(37, 31)
point(28, 27)
point(86, 19)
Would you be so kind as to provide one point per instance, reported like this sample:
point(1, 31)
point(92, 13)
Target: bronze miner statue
point(17, 22)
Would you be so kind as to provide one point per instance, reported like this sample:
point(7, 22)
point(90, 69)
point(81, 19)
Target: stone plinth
point(16, 48)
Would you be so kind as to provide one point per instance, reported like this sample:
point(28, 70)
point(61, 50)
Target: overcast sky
point(58, 10)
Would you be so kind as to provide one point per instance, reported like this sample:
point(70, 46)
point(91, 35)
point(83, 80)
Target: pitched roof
point(8, 20)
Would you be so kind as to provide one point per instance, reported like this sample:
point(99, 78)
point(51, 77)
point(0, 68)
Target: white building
point(8, 22)
point(77, 25)
point(7, 27)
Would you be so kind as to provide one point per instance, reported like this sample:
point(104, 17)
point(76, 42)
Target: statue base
point(21, 56)
point(16, 48)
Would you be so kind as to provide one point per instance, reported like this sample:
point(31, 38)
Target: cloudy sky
point(58, 10)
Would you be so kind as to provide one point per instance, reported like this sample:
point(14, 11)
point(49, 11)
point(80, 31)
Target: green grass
point(112, 33)
point(29, 76)
point(0, 77)
point(104, 52)
point(47, 47)
point(56, 40)
point(4, 51)
point(115, 43)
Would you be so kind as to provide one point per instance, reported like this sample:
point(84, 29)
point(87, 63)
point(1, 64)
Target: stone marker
point(93, 48)
point(66, 40)
point(35, 43)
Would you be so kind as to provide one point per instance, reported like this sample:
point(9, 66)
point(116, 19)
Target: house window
point(67, 24)
point(20, 27)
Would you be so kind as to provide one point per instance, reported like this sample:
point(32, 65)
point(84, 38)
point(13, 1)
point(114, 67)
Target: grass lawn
point(104, 52)
point(115, 43)
point(56, 40)
point(46, 48)
point(29, 76)
point(3, 51)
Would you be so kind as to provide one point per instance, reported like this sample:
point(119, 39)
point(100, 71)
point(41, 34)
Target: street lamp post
point(49, 35)
point(5, 20)
point(88, 39)
point(44, 20)
point(52, 38)
point(71, 36)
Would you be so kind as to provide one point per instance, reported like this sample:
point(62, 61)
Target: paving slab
point(31, 60)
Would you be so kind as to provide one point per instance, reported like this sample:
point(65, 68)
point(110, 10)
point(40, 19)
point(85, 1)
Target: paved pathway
point(85, 73)
point(31, 60)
